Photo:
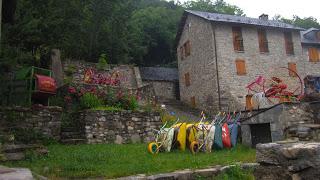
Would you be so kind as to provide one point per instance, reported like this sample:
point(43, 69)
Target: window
point(187, 79)
point(288, 42)
point(313, 55)
point(263, 42)
point(181, 53)
point(249, 105)
point(193, 101)
point(237, 39)
point(292, 69)
point(187, 48)
point(241, 67)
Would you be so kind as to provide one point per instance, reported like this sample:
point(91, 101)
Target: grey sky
point(286, 8)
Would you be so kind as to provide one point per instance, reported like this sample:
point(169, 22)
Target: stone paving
point(15, 173)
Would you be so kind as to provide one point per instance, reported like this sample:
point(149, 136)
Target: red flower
point(71, 90)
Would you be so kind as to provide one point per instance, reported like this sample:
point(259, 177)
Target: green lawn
point(110, 160)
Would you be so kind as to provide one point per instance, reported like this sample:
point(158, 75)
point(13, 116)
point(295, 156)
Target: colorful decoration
point(272, 89)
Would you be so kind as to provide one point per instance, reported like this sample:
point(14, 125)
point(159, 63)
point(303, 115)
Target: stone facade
point(207, 36)
point(200, 65)
point(285, 120)
point(46, 120)
point(119, 127)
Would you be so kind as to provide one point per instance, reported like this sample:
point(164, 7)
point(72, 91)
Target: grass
point(108, 108)
point(110, 160)
point(236, 173)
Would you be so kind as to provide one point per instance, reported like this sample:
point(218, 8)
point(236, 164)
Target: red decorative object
point(46, 84)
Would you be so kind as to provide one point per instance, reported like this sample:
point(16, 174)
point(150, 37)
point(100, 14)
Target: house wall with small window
point(196, 62)
point(243, 52)
point(238, 68)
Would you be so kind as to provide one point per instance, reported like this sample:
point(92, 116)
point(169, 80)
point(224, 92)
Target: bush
point(89, 101)
point(128, 102)
point(102, 64)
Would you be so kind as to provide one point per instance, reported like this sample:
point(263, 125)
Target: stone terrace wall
point(119, 127)
point(46, 120)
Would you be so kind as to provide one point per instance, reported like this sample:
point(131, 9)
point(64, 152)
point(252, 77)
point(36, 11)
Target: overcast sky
point(286, 8)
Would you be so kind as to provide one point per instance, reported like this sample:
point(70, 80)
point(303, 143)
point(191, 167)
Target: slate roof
point(309, 37)
point(159, 74)
point(242, 20)
point(225, 18)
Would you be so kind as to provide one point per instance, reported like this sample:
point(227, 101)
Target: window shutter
point(288, 43)
point(241, 67)
point(313, 55)
point(249, 105)
point(187, 79)
point(292, 67)
point(237, 39)
point(262, 38)
point(187, 48)
point(181, 53)
point(193, 101)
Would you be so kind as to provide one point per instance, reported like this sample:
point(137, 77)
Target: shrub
point(89, 101)
point(128, 102)
point(102, 64)
point(108, 108)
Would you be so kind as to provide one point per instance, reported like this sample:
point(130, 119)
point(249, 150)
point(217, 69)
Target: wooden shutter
point(187, 79)
point(193, 101)
point(292, 67)
point(187, 47)
point(288, 42)
point(181, 53)
point(241, 67)
point(249, 105)
point(313, 55)
point(262, 38)
point(237, 39)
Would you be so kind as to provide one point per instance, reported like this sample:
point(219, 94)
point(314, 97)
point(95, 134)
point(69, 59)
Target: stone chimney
point(264, 17)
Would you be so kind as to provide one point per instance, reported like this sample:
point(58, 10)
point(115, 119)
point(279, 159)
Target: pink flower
point(71, 90)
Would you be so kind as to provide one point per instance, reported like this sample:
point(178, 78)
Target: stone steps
point(72, 135)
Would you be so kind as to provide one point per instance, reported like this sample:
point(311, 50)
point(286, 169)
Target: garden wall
point(29, 123)
point(119, 127)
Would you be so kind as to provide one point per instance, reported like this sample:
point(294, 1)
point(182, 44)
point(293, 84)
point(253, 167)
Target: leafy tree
point(218, 6)
point(306, 22)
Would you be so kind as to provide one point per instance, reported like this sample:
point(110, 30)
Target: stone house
point(164, 80)
point(219, 55)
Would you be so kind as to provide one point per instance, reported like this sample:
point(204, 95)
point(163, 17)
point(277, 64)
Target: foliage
point(71, 68)
point(89, 100)
point(167, 118)
point(219, 6)
point(108, 108)
point(236, 173)
point(102, 63)
point(83, 161)
point(306, 22)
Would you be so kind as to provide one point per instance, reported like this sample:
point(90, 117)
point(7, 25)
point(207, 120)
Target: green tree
point(218, 6)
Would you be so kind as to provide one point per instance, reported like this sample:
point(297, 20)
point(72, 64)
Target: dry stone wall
point(119, 127)
point(46, 120)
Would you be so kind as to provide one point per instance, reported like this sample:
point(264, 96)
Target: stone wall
point(283, 118)
point(202, 67)
point(164, 89)
point(288, 161)
point(119, 127)
point(45, 120)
